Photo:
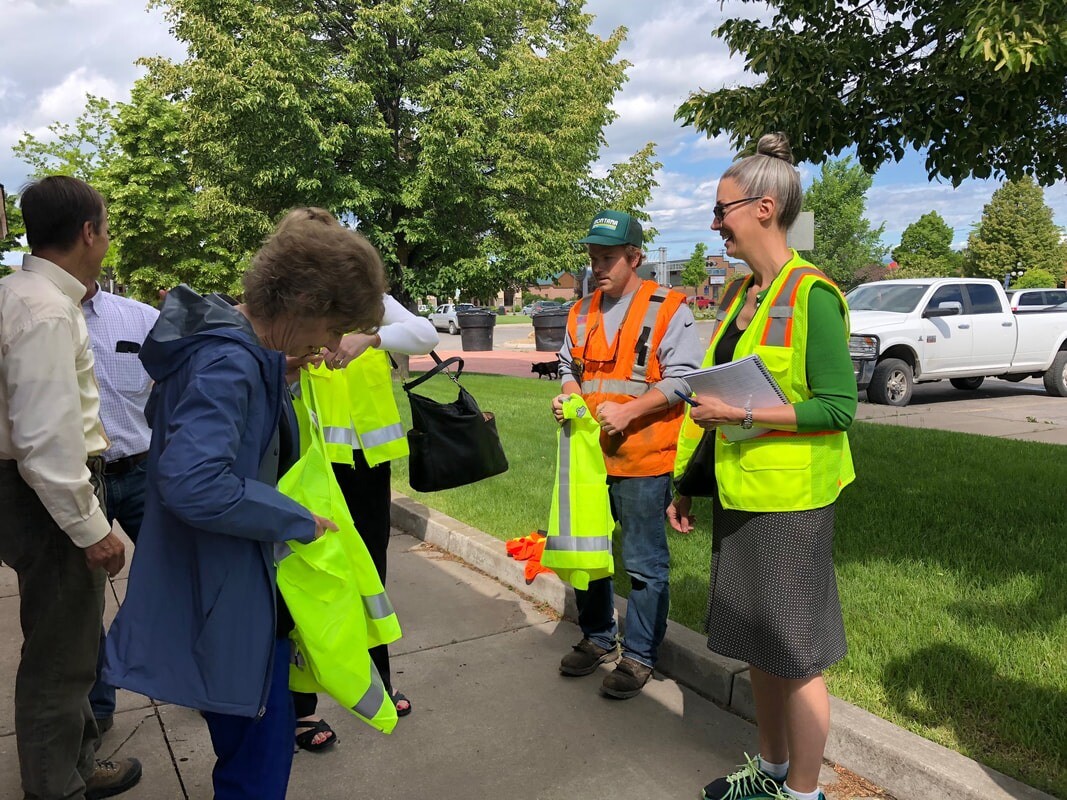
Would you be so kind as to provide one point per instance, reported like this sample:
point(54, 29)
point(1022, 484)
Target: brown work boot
point(110, 778)
point(627, 679)
point(586, 657)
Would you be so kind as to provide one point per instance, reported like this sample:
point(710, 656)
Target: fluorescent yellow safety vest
point(359, 410)
point(780, 470)
point(332, 589)
point(578, 547)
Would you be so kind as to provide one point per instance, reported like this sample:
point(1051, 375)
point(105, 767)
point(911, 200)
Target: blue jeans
point(253, 756)
point(640, 505)
point(125, 503)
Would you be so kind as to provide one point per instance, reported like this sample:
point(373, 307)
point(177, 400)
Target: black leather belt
point(120, 466)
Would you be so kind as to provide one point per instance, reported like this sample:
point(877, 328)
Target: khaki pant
point(61, 605)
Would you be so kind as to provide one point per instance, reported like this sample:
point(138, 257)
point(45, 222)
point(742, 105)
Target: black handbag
point(698, 479)
point(452, 444)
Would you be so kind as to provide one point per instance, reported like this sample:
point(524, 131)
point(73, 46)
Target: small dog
point(547, 369)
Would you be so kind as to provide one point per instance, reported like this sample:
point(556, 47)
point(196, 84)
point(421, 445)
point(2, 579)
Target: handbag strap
point(439, 367)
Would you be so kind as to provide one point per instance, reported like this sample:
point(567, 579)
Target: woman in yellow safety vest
point(773, 599)
point(361, 422)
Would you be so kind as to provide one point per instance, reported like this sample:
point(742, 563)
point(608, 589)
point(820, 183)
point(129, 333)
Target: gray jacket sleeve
point(680, 352)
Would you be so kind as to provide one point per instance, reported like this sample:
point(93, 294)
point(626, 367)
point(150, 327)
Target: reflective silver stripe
point(564, 487)
point(314, 419)
point(378, 606)
point(337, 435)
point(380, 436)
point(581, 544)
point(642, 352)
point(281, 550)
point(611, 386)
point(777, 331)
point(583, 317)
point(371, 702)
point(724, 305)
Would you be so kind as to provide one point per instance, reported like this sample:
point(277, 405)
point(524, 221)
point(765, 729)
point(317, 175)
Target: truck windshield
point(898, 297)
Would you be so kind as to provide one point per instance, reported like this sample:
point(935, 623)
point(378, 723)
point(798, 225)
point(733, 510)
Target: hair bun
point(775, 145)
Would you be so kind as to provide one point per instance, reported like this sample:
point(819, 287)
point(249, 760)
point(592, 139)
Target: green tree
point(163, 233)
point(1037, 279)
point(79, 150)
point(977, 86)
point(845, 242)
point(457, 134)
point(925, 249)
point(1016, 231)
point(15, 228)
point(695, 272)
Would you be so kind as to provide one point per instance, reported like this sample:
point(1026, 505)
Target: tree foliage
point(79, 150)
point(15, 228)
point(457, 134)
point(1016, 231)
point(925, 250)
point(164, 233)
point(845, 242)
point(1037, 279)
point(696, 272)
point(980, 86)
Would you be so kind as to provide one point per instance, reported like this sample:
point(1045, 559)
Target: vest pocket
point(774, 454)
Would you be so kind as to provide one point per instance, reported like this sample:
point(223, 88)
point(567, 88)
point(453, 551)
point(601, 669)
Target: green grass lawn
point(951, 557)
point(513, 319)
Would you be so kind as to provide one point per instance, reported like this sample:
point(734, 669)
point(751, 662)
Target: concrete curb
point(906, 765)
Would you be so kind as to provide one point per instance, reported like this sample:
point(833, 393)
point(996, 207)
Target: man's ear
point(89, 232)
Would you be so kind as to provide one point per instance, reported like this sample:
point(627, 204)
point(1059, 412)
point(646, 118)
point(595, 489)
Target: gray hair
point(770, 172)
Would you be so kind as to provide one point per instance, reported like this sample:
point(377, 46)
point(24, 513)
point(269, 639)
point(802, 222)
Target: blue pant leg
point(253, 757)
point(125, 502)
point(640, 505)
point(596, 612)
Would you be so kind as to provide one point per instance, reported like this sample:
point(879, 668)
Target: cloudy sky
point(57, 50)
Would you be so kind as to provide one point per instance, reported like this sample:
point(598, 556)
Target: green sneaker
point(748, 783)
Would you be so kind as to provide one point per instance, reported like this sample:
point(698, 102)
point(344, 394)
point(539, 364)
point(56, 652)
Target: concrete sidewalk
point(492, 718)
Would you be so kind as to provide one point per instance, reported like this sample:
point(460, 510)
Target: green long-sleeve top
point(829, 365)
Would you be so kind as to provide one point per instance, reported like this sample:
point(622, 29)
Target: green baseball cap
point(614, 228)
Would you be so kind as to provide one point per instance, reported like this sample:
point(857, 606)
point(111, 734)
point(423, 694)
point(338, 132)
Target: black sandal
point(397, 699)
point(306, 739)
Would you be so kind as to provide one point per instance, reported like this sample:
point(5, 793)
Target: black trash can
point(550, 326)
point(476, 329)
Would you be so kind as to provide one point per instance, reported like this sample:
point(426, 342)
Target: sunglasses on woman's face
point(719, 209)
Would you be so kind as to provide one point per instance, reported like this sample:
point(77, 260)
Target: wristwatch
point(746, 423)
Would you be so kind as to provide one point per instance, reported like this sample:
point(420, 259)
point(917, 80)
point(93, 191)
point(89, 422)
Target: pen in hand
point(687, 398)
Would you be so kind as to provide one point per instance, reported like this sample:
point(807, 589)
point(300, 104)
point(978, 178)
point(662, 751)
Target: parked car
point(700, 301)
point(1036, 299)
point(538, 306)
point(444, 317)
point(908, 331)
point(567, 306)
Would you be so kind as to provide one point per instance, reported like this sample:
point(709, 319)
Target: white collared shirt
point(49, 401)
point(118, 327)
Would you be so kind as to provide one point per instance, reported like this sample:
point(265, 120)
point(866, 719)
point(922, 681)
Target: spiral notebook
point(745, 382)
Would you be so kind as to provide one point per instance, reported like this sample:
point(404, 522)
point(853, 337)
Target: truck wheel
point(967, 384)
point(452, 328)
point(1056, 376)
point(891, 383)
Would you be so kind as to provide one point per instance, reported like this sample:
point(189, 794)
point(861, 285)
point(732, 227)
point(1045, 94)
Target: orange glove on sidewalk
point(529, 549)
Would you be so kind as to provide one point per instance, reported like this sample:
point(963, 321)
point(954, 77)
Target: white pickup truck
point(912, 331)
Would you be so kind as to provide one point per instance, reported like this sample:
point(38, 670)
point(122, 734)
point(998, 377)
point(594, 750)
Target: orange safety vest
point(624, 369)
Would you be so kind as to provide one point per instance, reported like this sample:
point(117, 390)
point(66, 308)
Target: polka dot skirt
point(772, 599)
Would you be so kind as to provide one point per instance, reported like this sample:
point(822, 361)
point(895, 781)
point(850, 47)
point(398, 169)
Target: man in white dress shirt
point(118, 327)
point(55, 533)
